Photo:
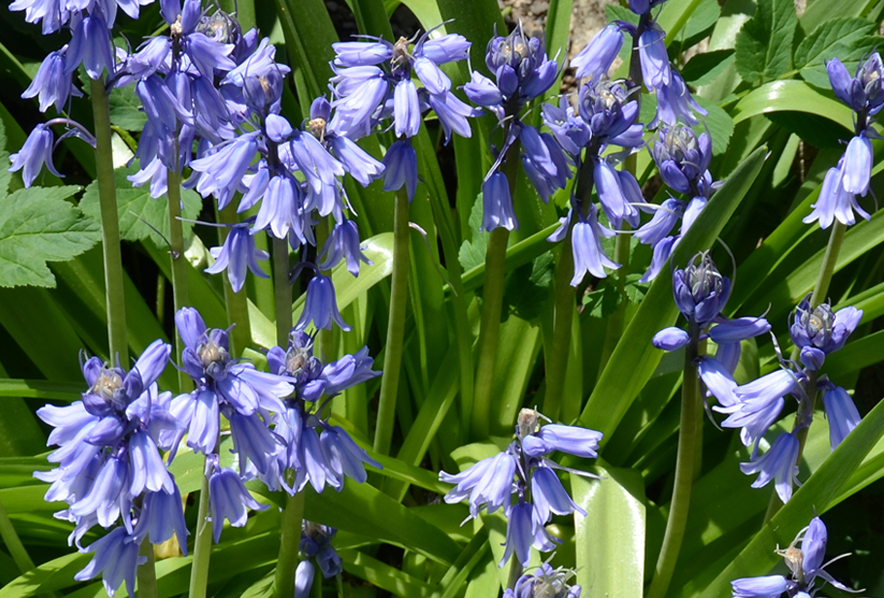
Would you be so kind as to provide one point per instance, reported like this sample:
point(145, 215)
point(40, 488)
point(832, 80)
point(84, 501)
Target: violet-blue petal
point(718, 380)
point(574, 440)
point(597, 57)
point(497, 205)
point(780, 462)
point(400, 162)
point(229, 499)
point(842, 415)
point(670, 339)
point(320, 307)
point(771, 586)
point(116, 558)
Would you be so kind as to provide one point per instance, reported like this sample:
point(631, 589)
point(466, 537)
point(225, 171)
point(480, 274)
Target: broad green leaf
point(611, 538)
point(634, 358)
point(37, 226)
point(124, 109)
point(54, 575)
point(829, 40)
point(363, 509)
point(139, 213)
point(815, 496)
point(309, 34)
point(704, 68)
point(718, 123)
point(41, 389)
point(472, 251)
point(764, 45)
point(794, 96)
point(383, 575)
point(820, 11)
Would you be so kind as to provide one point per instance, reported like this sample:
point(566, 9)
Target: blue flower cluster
point(546, 582)
point(316, 543)
point(804, 558)
point(863, 93)
point(755, 406)
point(110, 470)
point(524, 469)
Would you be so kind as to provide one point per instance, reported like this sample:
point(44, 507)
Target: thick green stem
point(820, 289)
point(237, 304)
point(691, 416)
point(179, 264)
point(489, 332)
point(147, 575)
point(395, 326)
point(515, 572)
point(202, 546)
point(290, 539)
point(282, 291)
point(110, 227)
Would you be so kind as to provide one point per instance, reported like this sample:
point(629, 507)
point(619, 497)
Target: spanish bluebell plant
point(755, 406)
point(805, 559)
point(316, 544)
point(109, 468)
point(546, 582)
point(525, 471)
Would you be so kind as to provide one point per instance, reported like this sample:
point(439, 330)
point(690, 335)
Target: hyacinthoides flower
point(110, 471)
point(700, 292)
point(373, 85)
point(522, 482)
point(754, 407)
point(522, 72)
point(316, 544)
point(546, 582)
point(804, 558)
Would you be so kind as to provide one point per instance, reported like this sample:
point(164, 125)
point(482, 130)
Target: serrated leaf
point(37, 226)
point(601, 303)
point(764, 44)
point(124, 109)
point(472, 253)
point(137, 209)
point(829, 40)
point(718, 123)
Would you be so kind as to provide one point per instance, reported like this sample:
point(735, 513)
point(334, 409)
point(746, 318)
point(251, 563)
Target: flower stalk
point(289, 541)
point(147, 575)
point(395, 326)
point(202, 545)
point(179, 264)
point(236, 303)
point(110, 226)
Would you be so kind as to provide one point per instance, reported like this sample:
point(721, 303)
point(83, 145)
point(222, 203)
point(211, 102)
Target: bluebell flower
point(489, 484)
point(51, 83)
point(643, 7)
point(229, 499)
point(91, 45)
point(343, 243)
point(675, 103)
point(596, 58)
point(316, 542)
point(36, 151)
point(521, 66)
point(863, 91)
point(497, 205)
point(545, 582)
point(700, 290)
point(543, 160)
point(320, 306)
point(400, 163)
point(804, 559)
point(780, 462)
point(834, 202)
point(236, 254)
point(303, 579)
point(820, 331)
point(116, 559)
point(363, 87)
point(586, 244)
point(841, 412)
point(654, 59)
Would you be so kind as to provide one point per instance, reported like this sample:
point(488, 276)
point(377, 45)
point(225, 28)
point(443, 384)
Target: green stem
point(820, 289)
point(489, 331)
point(395, 326)
point(147, 574)
point(289, 541)
point(691, 418)
point(237, 304)
point(202, 545)
point(179, 264)
point(13, 543)
point(617, 320)
point(282, 291)
point(110, 227)
point(515, 572)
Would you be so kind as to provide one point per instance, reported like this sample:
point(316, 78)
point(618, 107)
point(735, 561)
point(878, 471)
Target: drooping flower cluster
point(863, 93)
point(682, 159)
point(804, 557)
point(755, 406)
point(373, 82)
point(524, 469)
point(522, 72)
point(110, 470)
point(316, 543)
point(604, 117)
point(545, 582)
point(315, 450)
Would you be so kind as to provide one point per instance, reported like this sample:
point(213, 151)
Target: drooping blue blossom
point(319, 453)
point(52, 83)
point(229, 499)
point(780, 463)
point(804, 558)
point(343, 244)
point(316, 542)
point(524, 469)
point(320, 306)
point(595, 60)
point(545, 582)
point(586, 244)
point(236, 254)
point(36, 151)
point(116, 560)
point(400, 167)
point(304, 579)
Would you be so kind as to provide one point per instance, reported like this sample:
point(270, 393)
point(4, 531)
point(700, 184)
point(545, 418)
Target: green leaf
point(37, 226)
point(472, 252)
point(611, 538)
point(704, 68)
point(56, 574)
point(41, 389)
point(793, 96)
point(124, 109)
point(718, 123)
point(634, 358)
point(139, 211)
point(829, 40)
point(764, 45)
point(5, 175)
point(815, 496)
